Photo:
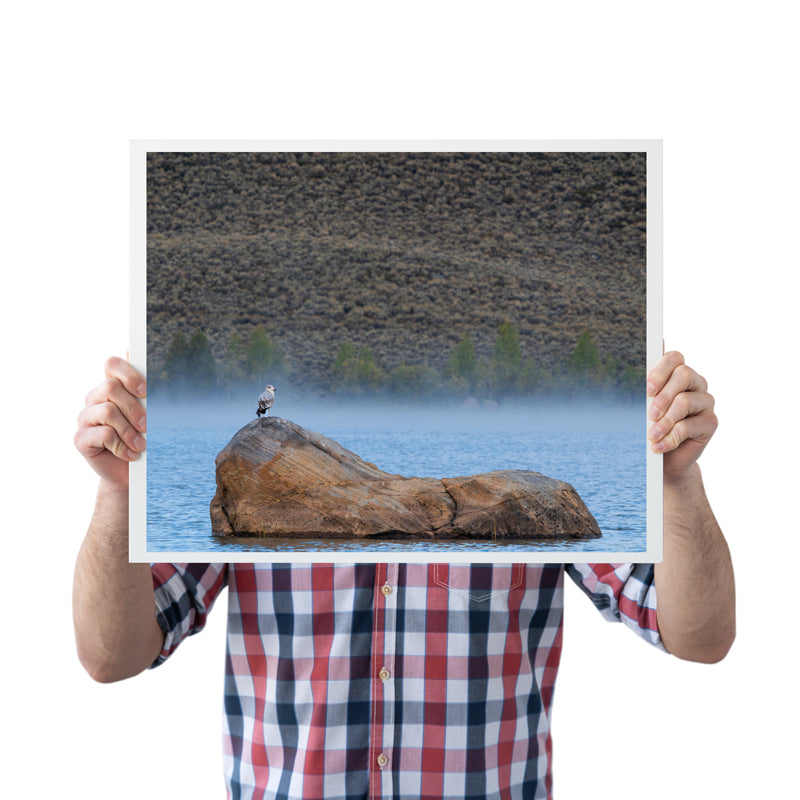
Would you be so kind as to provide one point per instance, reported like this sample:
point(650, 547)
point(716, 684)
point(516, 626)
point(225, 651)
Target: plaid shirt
point(392, 680)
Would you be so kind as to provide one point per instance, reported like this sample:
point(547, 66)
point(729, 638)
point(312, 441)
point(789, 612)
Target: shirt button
point(382, 760)
point(386, 589)
point(384, 674)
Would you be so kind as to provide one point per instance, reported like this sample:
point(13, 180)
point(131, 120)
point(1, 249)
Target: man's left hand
point(682, 415)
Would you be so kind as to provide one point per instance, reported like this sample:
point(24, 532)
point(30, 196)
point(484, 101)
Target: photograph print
point(396, 352)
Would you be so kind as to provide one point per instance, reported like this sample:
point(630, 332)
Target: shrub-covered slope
point(401, 252)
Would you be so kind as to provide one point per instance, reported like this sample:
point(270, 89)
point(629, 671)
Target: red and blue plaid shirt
point(399, 681)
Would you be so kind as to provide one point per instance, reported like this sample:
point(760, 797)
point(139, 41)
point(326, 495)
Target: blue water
point(601, 452)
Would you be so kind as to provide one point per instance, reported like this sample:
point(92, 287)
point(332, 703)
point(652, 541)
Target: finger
point(682, 379)
point(93, 441)
point(131, 379)
point(108, 414)
point(698, 429)
point(685, 404)
point(112, 391)
point(660, 374)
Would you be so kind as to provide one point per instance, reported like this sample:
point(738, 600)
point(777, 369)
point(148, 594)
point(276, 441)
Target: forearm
point(694, 584)
point(113, 603)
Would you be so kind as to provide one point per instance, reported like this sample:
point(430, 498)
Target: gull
point(265, 401)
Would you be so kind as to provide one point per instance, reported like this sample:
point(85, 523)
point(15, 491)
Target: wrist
point(113, 492)
point(111, 509)
point(685, 480)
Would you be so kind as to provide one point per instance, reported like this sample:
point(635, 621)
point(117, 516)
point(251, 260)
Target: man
point(394, 680)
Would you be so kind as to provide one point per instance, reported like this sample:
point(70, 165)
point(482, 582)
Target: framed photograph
point(396, 351)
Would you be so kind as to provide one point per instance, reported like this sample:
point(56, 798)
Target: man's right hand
point(116, 628)
point(110, 427)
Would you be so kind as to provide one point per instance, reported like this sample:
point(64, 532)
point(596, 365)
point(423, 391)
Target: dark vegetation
point(493, 275)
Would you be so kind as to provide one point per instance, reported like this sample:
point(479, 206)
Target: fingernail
point(651, 388)
point(142, 424)
point(141, 389)
point(652, 433)
point(139, 443)
point(659, 446)
point(131, 456)
point(653, 412)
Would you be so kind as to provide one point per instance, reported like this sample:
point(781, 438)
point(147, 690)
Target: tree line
point(506, 375)
point(191, 365)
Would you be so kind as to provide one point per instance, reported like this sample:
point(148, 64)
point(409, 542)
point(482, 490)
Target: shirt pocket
point(479, 583)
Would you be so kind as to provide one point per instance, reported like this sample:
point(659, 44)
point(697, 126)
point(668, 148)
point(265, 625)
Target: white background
point(715, 81)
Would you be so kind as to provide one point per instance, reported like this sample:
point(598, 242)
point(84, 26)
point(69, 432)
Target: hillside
point(402, 252)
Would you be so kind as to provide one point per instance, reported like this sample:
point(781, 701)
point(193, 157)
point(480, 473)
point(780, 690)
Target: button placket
point(386, 669)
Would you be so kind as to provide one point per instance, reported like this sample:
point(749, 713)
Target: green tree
point(201, 368)
point(344, 365)
point(356, 371)
point(506, 359)
point(481, 382)
point(368, 375)
point(413, 381)
point(263, 356)
point(532, 378)
point(584, 365)
point(462, 363)
point(175, 361)
point(632, 381)
point(233, 370)
point(611, 370)
point(585, 357)
point(190, 364)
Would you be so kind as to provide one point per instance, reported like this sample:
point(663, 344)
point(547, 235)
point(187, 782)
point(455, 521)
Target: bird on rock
point(265, 401)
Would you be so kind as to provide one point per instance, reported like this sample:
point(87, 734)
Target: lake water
point(600, 451)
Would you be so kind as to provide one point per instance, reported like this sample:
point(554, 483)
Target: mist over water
point(600, 450)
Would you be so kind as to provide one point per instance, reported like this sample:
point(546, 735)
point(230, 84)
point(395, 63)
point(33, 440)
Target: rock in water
point(275, 478)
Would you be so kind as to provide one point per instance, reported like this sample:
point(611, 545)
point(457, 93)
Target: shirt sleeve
point(622, 593)
point(184, 595)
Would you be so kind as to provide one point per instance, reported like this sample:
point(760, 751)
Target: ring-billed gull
point(265, 401)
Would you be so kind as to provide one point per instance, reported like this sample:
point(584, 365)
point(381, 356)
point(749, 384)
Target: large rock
point(275, 478)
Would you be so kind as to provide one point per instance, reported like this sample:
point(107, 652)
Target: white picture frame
point(140, 551)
